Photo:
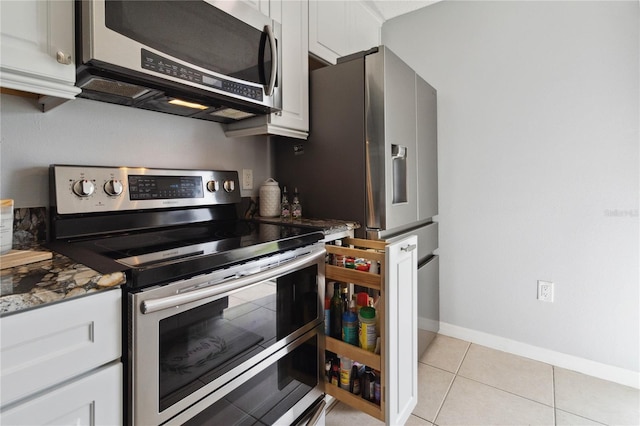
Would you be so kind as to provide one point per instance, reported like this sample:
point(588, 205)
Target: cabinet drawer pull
point(410, 247)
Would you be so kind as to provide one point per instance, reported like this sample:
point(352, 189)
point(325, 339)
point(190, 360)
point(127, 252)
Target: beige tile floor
point(467, 384)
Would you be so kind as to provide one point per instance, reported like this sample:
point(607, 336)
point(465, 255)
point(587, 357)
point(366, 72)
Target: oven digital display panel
point(145, 187)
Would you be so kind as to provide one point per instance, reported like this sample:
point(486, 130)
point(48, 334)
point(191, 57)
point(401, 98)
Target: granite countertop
point(49, 281)
point(331, 227)
point(41, 283)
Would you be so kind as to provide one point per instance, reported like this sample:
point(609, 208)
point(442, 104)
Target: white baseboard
point(570, 362)
point(428, 324)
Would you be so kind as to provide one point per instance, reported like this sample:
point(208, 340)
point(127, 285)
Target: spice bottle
point(345, 298)
point(367, 333)
point(350, 328)
point(367, 385)
point(345, 372)
point(354, 385)
point(336, 313)
point(327, 316)
point(296, 207)
point(335, 374)
point(376, 389)
point(285, 208)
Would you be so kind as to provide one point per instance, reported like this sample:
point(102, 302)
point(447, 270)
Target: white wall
point(538, 152)
point(86, 132)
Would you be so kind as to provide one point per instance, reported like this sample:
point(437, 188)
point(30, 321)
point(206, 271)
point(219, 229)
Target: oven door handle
point(161, 303)
point(317, 412)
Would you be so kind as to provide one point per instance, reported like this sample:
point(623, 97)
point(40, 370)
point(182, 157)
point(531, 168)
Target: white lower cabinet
point(61, 363)
point(94, 399)
point(397, 316)
point(402, 325)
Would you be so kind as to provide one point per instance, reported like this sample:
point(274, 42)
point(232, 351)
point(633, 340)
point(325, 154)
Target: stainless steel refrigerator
point(371, 158)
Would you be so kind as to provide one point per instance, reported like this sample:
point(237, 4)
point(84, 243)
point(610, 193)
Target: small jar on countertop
point(270, 198)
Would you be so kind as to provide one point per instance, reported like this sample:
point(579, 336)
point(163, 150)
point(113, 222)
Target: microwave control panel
point(159, 64)
point(92, 189)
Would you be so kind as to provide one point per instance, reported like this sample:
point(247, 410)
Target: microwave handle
point(274, 61)
point(159, 304)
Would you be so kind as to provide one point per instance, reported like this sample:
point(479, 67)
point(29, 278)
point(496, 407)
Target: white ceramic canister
point(270, 198)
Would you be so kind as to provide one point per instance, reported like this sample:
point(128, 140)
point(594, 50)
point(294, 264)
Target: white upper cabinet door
point(261, 5)
point(37, 41)
point(401, 326)
point(339, 28)
point(364, 26)
point(293, 119)
point(328, 29)
point(295, 65)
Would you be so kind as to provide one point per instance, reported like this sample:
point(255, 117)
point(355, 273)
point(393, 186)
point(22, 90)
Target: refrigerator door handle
point(410, 247)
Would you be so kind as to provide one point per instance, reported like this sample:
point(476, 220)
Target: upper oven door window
point(199, 345)
point(197, 33)
point(189, 349)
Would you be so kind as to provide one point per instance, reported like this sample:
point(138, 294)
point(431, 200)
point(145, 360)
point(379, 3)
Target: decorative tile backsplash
point(29, 226)
point(30, 223)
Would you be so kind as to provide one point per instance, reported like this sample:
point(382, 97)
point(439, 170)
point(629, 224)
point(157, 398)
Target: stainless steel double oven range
point(222, 315)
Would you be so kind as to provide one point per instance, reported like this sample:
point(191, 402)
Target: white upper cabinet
point(261, 5)
point(37, 42)
point(339, 28)
point(293, 120)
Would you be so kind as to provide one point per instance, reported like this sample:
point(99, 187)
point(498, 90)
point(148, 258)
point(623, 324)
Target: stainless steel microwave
point(206, 59)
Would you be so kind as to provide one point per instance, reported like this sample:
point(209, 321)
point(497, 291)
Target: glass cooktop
point(173, 253)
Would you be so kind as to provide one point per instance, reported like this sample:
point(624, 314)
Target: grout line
point(446, 394)
point(455, 376)
point(506, 391)
point(583, 417)
point(463, 357)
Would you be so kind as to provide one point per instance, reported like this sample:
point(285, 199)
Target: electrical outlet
point(545, 291)
point(247, 179)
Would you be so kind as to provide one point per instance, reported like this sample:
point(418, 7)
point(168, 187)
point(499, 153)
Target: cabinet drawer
point(94, 399)
point(46, 346)
point(427, 239)
point(429, 295)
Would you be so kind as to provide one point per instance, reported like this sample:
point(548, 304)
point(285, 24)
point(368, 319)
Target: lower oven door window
point(181, 354)
point(281, 393)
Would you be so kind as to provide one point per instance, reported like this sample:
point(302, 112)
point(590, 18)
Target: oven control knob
point(113, 187)
point(83, 188)
point(213, 186)
point(229, 185)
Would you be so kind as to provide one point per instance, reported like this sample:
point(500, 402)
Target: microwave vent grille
point(104, 85)
point(231, 113)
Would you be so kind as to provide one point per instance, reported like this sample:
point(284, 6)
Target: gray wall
point(538, 153)
point(88, 132)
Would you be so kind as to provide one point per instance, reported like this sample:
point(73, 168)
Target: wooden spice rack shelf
point(352, 352)
point(355, 401)
point(373, 251)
